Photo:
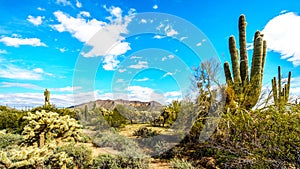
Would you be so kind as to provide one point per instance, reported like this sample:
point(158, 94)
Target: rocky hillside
point(111, 104)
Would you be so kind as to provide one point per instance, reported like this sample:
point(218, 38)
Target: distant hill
point(111, 104)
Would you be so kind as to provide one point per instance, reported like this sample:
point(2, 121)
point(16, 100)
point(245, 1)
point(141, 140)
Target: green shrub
point(82, 156)
point(144, 132)
point(118, 162)
point(181, 164)
point(8, 139)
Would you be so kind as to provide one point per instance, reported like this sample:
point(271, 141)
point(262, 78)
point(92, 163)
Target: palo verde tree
point(246, 91)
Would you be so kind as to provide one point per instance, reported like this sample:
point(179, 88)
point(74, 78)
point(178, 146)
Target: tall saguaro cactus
point(246, 91)
point(281, 95)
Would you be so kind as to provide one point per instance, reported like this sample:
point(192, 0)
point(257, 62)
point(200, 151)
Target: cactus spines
point(246, 89)
point(281, 95)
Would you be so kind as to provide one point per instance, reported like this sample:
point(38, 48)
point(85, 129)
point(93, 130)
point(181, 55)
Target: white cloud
point(10, 71)
point(182, 38)
point(155, 7)
point(35, 87)
point(159, 37)
point(199, 44)
point(167, 74)
point(139, 65)
point(283, 36)
point(142, 80)
point(135, 57)
point(35, 21)
point(62, 50)
point(80, 28)
point(143, 21)
point(120, 81)
point(22, 85)
point(122, 70)
point(16, 42)
point(170, 31)
point(110, 62)
point(64, 2)
point(41, 71)
point(173, 94)
point(167, 57)
point(2, 51)
point(41, 9)
point(171, 56)
point(105, 39)
point(84, 14)
point(78, 4)
point(66, 89)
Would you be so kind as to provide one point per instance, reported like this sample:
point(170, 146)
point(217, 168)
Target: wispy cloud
point(41, 9)
point(283, 36)
point(167, 74)
point(64, 2)
point(158, 37)
point(2, 51)
point(16, 42)
point(139, 65)
point(84, 14)
point(78, 4)
point(122, 70)
point(41, 71)
point(21, 85)
point(35, 20)
point(170, 31)
point(142, 80)
point(167, 57)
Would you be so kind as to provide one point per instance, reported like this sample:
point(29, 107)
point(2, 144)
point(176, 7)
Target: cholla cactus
point(246, 91)
point(49, 126)
point(41, 135)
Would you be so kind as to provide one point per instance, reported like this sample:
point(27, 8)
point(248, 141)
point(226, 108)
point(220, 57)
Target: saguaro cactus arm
point(281, 95)
point(246, 93)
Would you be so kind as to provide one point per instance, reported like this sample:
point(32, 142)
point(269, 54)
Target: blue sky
point(86, 50)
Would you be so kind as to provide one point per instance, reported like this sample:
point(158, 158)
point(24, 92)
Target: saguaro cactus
point(281, 95)
point(246, 91)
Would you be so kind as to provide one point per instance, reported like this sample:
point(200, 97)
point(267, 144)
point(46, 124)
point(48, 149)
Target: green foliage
point(119, 162)
point(265, 136)
point(52, 108)
point(117, 142)
point(246, 92)
point(144, 132)
point(11, 120)
point(8, 139)
point(81, 155)
point(181, 164)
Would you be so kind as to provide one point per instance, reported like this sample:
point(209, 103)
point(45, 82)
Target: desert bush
point(12, 120)
point(8, 139)
point(144, 132)
point(181, 164)
point(269, 136)
point(118, 162)
point(81, 155)
point(116, 141)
